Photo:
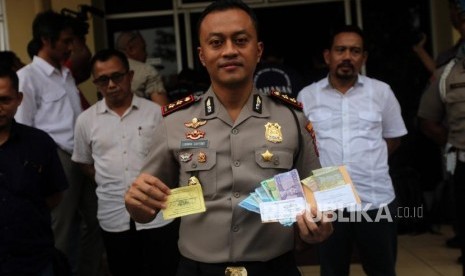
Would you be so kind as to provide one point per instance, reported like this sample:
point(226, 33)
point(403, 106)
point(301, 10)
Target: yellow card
point(184, 201)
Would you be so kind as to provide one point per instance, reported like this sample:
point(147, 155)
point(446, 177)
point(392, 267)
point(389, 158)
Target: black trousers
point(283, 265)
point(143, 253)
point(376, 242)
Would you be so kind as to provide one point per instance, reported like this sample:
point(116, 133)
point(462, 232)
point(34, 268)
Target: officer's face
point(10, 99)
point(346, 56)
point(229, 47)
point(113, 81)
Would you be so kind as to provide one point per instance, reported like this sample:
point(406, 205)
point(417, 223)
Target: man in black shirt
point(31, 184)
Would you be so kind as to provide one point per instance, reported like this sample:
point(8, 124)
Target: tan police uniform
point(445, 102)
point(199, 139)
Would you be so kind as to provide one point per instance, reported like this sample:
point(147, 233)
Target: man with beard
point(357, 123)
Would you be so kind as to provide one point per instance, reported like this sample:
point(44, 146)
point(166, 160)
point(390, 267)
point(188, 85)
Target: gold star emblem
point(267, 156)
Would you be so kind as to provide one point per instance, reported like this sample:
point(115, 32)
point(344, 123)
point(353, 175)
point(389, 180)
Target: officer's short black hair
point(346, 29)
point(106, 54)
point(222, 5)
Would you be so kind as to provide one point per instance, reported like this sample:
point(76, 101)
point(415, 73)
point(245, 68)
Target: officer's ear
point(201, 56)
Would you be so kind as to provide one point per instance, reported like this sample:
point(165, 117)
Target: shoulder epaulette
point(178, 104)
point(284, 98)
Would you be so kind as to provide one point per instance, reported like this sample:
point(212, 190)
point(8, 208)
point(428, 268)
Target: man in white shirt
point(357, 123)
point(112, 139)
point(51, 103)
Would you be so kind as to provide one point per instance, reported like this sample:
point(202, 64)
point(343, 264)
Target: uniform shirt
point(350, 128)
point(51, 101)
point(30, 171)
point(232, 168)
point(449, 108)
point(117, 147)
point(146, 80)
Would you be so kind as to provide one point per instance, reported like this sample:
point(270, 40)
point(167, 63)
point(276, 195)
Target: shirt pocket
point(369, 123)
point(282, 158)
point(53, 94)
point(321, 121)
point(145, 135)
point(199, 163)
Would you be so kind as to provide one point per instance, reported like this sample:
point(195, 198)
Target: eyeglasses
point(103, 81)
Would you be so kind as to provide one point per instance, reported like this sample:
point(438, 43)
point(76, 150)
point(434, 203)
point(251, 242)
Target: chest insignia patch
point(185, 156)
point(195, 123)
point(195, 135)
point(202, 157)
point(273, 132)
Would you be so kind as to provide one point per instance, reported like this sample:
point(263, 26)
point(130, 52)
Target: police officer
point(442, 118)
point(230, 139)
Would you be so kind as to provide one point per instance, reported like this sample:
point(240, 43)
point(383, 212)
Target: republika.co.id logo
point(357, 213)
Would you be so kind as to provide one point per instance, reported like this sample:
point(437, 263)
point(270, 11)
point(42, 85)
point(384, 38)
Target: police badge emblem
point(273, 132)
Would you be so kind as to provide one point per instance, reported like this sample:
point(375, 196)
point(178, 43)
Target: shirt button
point(237, 163)
point(235, 228)
point(237, 195)
point(194, 165)
point(124, 152)
point(235, 131)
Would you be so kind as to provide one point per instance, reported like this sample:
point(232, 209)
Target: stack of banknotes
point(278, 199)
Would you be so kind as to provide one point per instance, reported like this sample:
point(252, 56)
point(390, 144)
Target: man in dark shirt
point(31, 184)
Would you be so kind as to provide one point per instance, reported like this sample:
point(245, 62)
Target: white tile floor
point(422, 255)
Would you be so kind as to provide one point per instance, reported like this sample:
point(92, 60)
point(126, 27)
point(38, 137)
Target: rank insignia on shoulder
point(179, 104)
point(286, 99)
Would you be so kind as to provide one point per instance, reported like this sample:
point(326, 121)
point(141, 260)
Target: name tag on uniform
point(189, 144)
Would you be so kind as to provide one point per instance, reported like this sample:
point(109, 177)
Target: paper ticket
point(184, 201)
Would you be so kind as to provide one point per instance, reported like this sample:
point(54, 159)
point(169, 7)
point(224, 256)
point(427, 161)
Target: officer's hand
point(314, 226)
point(146, 196)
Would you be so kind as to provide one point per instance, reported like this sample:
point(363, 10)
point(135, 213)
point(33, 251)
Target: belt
point(283, 265)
